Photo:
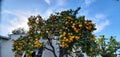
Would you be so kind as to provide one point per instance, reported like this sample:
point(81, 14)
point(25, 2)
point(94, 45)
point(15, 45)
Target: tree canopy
point(73, 33)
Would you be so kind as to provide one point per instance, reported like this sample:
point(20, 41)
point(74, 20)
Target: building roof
point(3, 37)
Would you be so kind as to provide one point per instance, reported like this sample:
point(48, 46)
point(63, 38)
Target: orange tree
point(74, 34)
point(107, 47)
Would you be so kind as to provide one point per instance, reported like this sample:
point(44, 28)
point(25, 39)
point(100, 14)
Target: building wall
point(0, 46)
point(6, 46)
point(6, 49)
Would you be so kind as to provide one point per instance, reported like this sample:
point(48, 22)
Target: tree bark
point(62, 52)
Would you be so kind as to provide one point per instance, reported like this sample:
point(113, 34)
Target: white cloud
point(99, 16)
point(47, 1)
point(3, 30)
point(101, 22)
point(55, 2)
point(87, 3)
point(60, 2)
point(101, 25)
point(47, 13)
point(20, 20)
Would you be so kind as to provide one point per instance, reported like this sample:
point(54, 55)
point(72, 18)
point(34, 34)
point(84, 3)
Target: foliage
point(19, 31)
point(73, 32)
point(107, 47)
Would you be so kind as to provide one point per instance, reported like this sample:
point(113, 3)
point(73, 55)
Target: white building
point(2, 41)
point(6, 45)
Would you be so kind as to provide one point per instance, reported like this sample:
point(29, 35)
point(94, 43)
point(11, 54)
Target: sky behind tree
point(104, 13)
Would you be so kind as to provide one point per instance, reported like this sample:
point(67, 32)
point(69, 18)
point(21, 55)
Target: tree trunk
point(62, 52)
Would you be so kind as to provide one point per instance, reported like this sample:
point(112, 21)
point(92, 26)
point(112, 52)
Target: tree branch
point(48, 49)
point(53, 49)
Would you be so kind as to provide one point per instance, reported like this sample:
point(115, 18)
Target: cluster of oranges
point(73, 32)
point(88, 25)
point(69, 20)
point(75, 29)
point(18, 46)
point(67, 38)
point(92, 38)
point(37, 43)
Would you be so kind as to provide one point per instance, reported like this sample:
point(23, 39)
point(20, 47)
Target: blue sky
point(104, 13)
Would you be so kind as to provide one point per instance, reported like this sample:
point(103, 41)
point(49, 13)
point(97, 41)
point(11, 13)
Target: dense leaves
point(19, 31)
point(74, 34)
point(107, 47)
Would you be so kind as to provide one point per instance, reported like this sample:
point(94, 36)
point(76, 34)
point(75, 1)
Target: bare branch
point(48, 49)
